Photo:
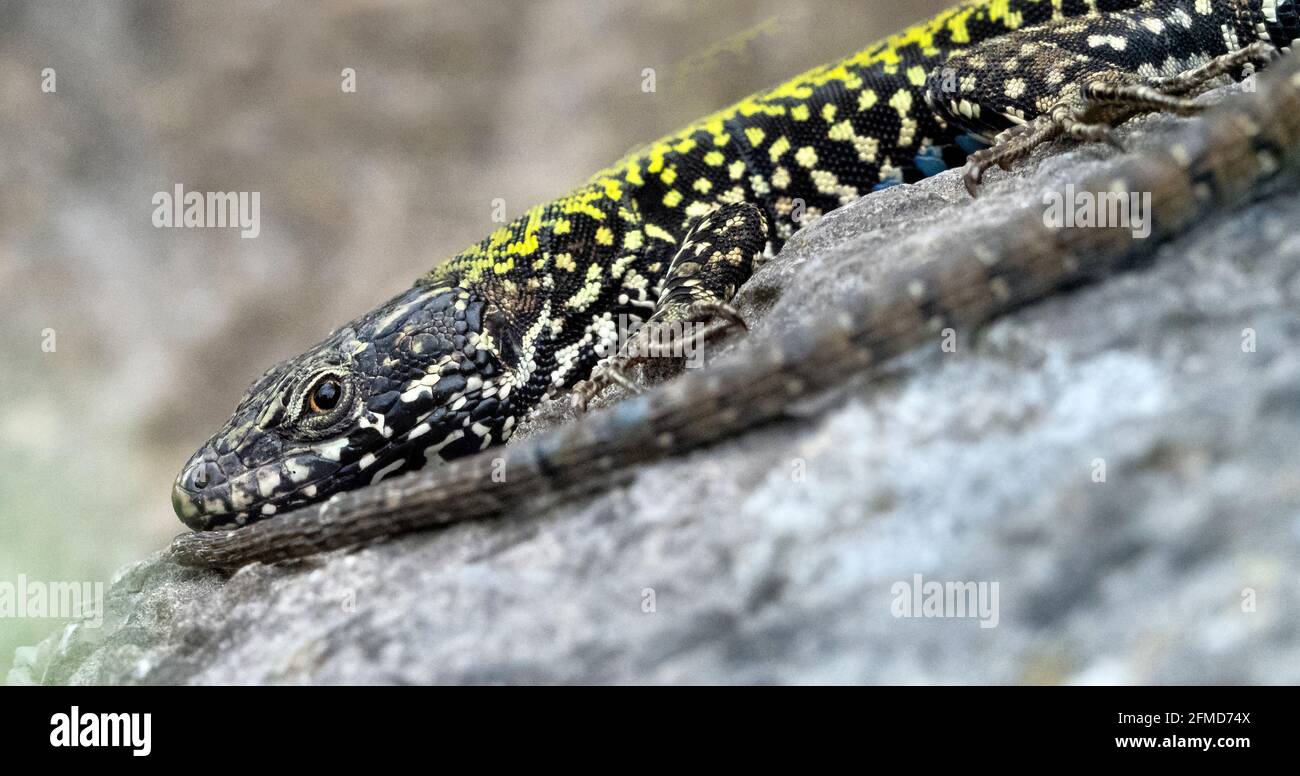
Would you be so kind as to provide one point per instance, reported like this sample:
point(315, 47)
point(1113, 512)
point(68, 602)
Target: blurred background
point(158, 331)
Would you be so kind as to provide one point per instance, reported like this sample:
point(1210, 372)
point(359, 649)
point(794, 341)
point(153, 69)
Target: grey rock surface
point(778, 556)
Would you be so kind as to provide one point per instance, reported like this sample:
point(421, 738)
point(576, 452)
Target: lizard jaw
point(204, 499)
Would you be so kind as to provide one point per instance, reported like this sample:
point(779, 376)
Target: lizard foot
point(681, 334)
point(1105, 100)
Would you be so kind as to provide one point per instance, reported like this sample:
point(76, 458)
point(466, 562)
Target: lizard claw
point(604, 375)
point(971, 176)
point(582, 393)
point(731, 320)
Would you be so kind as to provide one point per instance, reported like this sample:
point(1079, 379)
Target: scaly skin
point(1205, 167)
point(668, 234)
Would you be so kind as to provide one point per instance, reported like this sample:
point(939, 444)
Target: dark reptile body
point(1195, 173)
point(447, 368)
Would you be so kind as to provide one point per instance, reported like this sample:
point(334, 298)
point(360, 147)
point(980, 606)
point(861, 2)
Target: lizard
point(445, 370)
point(1208, 166)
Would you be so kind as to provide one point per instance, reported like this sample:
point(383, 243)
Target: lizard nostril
point(202, 475)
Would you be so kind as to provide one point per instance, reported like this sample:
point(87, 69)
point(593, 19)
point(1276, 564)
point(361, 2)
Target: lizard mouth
point(204, 498)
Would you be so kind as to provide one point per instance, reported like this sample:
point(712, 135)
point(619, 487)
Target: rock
point(1117, 465)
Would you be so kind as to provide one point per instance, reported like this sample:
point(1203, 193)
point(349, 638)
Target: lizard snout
point(197, 476)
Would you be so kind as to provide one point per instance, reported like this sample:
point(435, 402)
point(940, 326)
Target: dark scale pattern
point(1011, 80)
point(671, 231)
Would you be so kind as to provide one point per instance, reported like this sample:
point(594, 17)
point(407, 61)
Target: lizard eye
point(325, 396)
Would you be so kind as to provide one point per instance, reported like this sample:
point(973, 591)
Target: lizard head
point(414, 380)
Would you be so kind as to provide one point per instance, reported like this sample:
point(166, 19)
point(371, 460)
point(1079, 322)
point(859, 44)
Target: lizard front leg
point(715, 257)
